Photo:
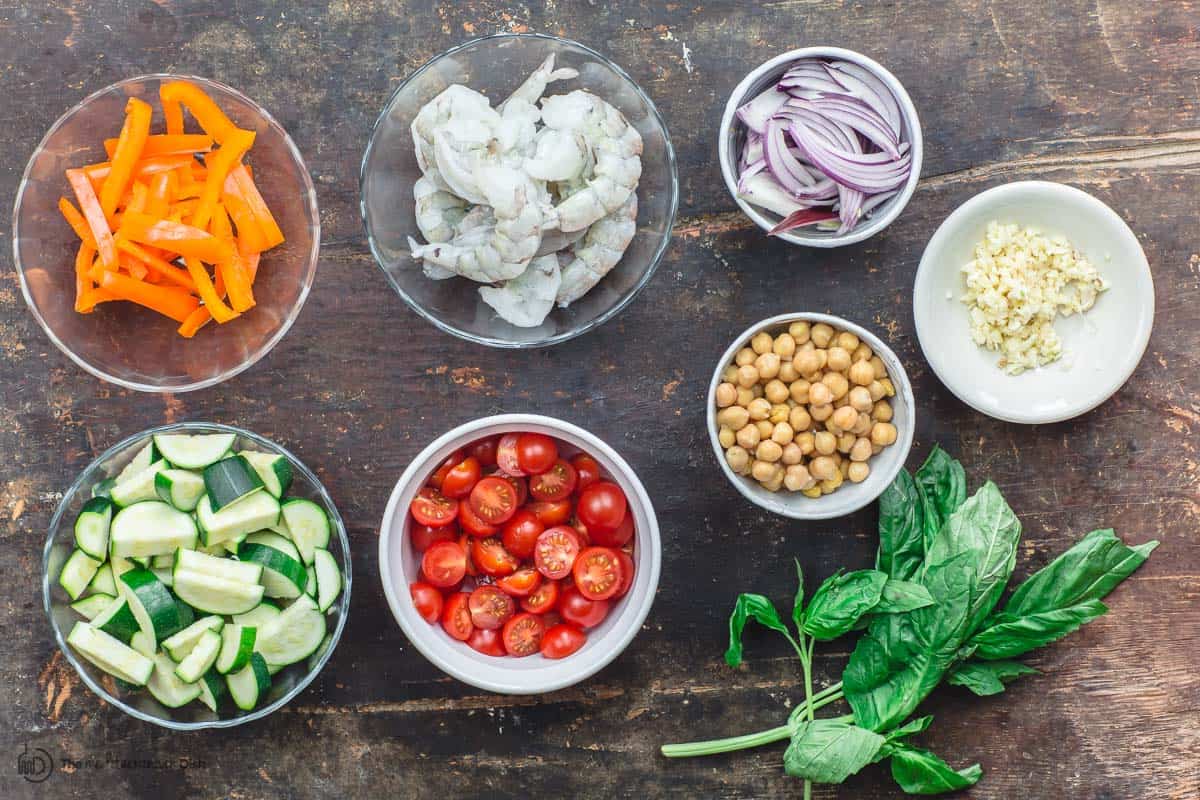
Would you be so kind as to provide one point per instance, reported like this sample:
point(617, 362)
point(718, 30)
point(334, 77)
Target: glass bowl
point(129, 345)
point(496, 65)
point(138, 703)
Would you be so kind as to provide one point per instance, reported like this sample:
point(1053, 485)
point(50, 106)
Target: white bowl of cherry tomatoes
point(519, 553)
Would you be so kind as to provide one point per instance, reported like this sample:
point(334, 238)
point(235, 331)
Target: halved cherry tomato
point(444, 564)
point(551, 618)
point(588, 470)
point(523, 634)
point(597, 573)
point(585, 538)
point(555, 483)
point(601, 506)
point(562, 640)
point(615, 537)
point(544, 598)
point(456, 616)
point(536, 452)
point(521, 583)
point(555, 551)
point(520, 485)
point(485, 450)
point(472, 524)
point(427, 600)
point(490, 607)
point(550, 514)
point(494, 500)
point(627, 569)
point(521, 532)
point(461, 478)
point(464, 542)
point(431, 507)
point(506, 455)
point(578, 610)
point(487, 642)
point(439, 475)
point(492, 559)
point(423, 537)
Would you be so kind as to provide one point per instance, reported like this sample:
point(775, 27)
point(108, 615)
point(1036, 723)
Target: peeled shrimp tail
point(535, 85)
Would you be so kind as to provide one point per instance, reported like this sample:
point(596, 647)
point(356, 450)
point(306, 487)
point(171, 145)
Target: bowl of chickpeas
point(810, 415)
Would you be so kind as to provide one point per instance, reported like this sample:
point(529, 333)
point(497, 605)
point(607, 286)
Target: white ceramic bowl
point(399, 566)
point(1102, 347)
point(733, 134)
point(884, 466)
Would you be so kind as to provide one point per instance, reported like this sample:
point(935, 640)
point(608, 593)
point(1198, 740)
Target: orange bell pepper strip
point(241, 184)
point(128, 153)
point(158, 144)
point(162, 191)
point(139, 193)
point(83, 278)
point(250, 235)
point(211, 118)
point(158, 266)
point(208, 293)
point(186, 240)
point(98, 173)
point(168, 301)
point(94, 215)
point(201, 317)
point(91, 298)
point(136, 269)
point(76, 221)
point(233, 272)
point(236, 144)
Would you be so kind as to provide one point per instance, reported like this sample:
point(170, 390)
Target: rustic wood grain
point(1101, 94)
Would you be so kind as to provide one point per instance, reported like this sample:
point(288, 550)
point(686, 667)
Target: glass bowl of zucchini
point(197, 576)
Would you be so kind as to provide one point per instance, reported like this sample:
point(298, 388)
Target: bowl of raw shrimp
point(519, 190)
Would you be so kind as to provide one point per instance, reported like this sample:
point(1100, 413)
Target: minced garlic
point(1018, 282)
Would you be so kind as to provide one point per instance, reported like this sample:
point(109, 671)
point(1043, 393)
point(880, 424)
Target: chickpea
point(860, 398)
point(780, 412)
point(783, 433)
point(880, 370)
point(787, 372)
point(744, 396)
point(738, 459)
point(747, 376)
point(759, 408)
point(846, 442)
point(748, 437)
point(799, 331)
point(767, 365)
point(729, 374)
point(863, 426)
point(775, 482)
point(882, 412)
point(768, 451)
point(799, 419)
point(756, 390)
point(765, 428)
point(837, 384)
point(726, 395)
point(877, 391)
point(799, 390)
point(861, 450)
point(889, 388)
point(792, 454)
point(806, 442)
point(785, 346)
point(744, 356)
point(762, 470)
point(776, 391)
point(838, 359)
point(734, 417)
point(883, 433)
point(862, 353)
point(822, 335)
point(820, 394)
point(726, 437)
point(837, 458)
point(822, 357)
point(844, 418)
point(797, 478)
point(761, 343)
point(823, 468)
point(830, 485)
point(821, 413)
point(858, 472)
point(807, 362)
point(825, 442)
point(847, 341)
point(861, 373)
point(812, 491)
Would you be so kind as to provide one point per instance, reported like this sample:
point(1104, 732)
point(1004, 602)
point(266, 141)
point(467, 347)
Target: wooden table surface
point(1100, 94)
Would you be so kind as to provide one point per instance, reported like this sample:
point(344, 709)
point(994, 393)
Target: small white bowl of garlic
point(815, 462)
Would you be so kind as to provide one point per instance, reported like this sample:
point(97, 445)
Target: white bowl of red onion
point(821, 146)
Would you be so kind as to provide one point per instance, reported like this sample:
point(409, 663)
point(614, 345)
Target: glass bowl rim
point(343, 602)
point(651, 266)
point(313, 256)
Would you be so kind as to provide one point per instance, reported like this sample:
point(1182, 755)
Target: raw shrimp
point(463, 145)
point(527, 299)
point(557, 155)
point(535, 85)
point(456, 102)
point(438, 212)
point(617, 146)
point(599, 251)
point(553, 240)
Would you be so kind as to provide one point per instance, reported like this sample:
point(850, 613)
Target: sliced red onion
point(749, 172)
point(763, 190)
point(858, 116)
point(854, 171)
point(754, 115)
point(796, 219)
point(785, 167)
point(891, 109)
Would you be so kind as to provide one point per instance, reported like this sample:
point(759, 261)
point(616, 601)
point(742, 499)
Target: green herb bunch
point(930, 614)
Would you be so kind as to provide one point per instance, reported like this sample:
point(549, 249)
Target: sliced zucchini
point(237, 643)
point(294, 635)
point(91, 606)
point(104, 487)
point(329, 578)
point(193, 452)
point(144, 458)
point(283, 575)
point(91, 527)
point(310, 586)
point(179, 645)
point(77, 573)
point(103, 583)
point(212, 689)
point(227, 568)
point(110, 655)
point(119, 566)
point(308, 525)
point(139, 486)
point(229, 480)
point(116, 620)
point(273, 470)
point(254, 513)
point(201, 659)
point(153, 605)
point(166, 686)
point(164, 575)
point(143, 642)
point(259, 615)
point(141, 561)
point(179, 487)
point(250, 683)
point(151, 528)
point(214, 595)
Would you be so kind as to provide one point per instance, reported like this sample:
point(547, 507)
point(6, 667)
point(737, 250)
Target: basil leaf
point(750, 606)
point(901, 596)
point(921, 772)
point(829, 751)
point(986, 678)
point(894, 738)
point(840, 601)
point(901, 529)
point(798, 604)
point(1008, 638)
point(987, 529)
point(942, 485)
point(1088, 571)
point(903, 657)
